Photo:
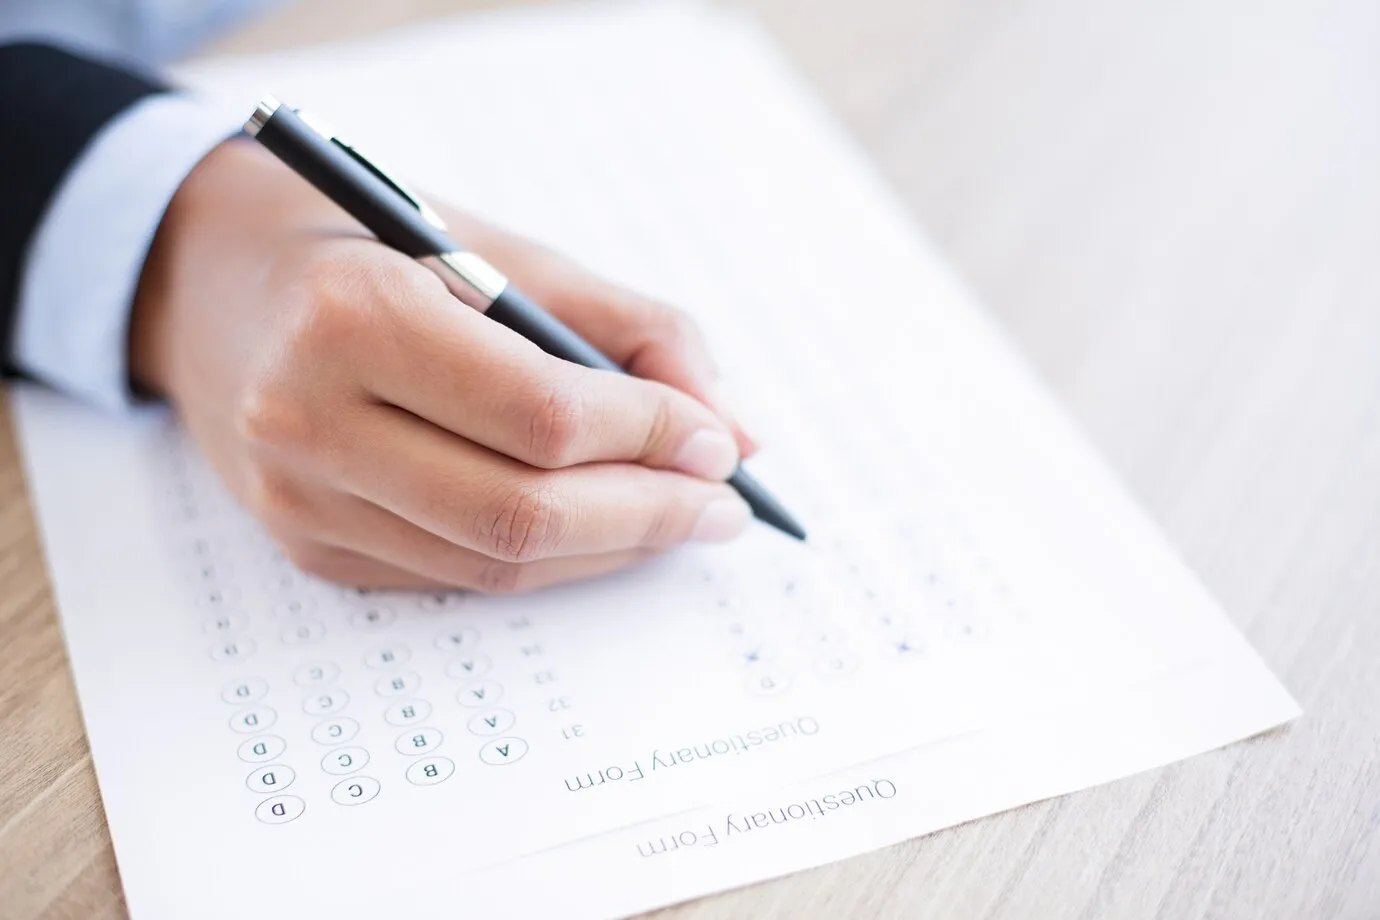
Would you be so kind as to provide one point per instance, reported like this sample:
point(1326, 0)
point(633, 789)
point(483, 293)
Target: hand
point(385, 434)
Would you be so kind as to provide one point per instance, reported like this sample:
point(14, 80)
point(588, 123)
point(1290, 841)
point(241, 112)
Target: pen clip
point(427, 213)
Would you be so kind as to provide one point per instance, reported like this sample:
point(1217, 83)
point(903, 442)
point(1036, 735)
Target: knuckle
point(267, 417)
point(338, 302)
point(275, 500)
point(334, 322)
point(527, 524)
point(662, 422)
point(661, 529)
point(391, 287)
point(554, 428)
point(667, 521)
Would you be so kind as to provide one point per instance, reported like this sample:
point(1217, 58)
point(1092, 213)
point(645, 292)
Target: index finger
point(649, 339)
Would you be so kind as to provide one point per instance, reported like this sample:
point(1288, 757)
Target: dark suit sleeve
point(52, 104)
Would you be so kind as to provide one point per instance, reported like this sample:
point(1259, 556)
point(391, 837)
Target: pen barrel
point(514, 309)
point(351, 185)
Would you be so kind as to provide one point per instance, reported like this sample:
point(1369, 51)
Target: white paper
point(973, 572)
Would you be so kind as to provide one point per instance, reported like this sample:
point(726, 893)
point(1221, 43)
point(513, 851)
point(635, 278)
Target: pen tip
point(778, 518)
point(764, 507)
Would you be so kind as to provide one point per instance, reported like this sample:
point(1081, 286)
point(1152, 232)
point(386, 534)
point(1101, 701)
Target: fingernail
point(708, 454)
point(722, 519)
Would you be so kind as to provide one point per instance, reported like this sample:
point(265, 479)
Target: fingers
point(482, 501)
point(373, 543)
point(449, 365)
point(649, 339)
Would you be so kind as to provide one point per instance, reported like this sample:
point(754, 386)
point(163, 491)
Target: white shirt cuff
point(85, 258)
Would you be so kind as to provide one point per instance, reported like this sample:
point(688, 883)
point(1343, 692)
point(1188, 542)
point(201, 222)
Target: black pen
point(403, 222)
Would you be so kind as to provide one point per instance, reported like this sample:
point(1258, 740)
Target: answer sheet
point(981, 618)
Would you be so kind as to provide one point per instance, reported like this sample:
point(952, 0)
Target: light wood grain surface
point(1174, 208)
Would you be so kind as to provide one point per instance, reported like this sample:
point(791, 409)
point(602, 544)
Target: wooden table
point(1174, 208)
